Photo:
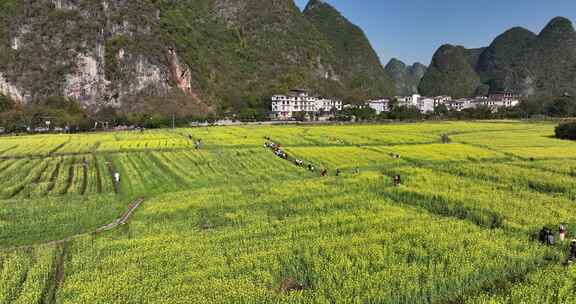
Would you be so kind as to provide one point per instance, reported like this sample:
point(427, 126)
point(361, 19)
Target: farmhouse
point(285, 107)
point(460, 104)
point(502, 96)
point(379, 105)
point(426, 104)
point(501, 99)
point(408, 101)
point(495, 100)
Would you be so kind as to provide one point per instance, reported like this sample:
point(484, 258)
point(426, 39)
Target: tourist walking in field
point(338, 172)
point(572, 251)
point(198, 144)
point(546, 236)
point(324, 172)
point(397, 180)
point(117, 177)
point(550, 240)
point(562, 232)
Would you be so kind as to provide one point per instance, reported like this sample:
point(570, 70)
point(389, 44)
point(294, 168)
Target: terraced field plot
point(232, 223)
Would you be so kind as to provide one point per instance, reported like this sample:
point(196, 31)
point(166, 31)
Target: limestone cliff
point(224, 53)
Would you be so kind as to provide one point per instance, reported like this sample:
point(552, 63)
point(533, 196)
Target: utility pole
point(173, 121)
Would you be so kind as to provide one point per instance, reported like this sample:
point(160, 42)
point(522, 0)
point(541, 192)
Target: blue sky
point(412, 30)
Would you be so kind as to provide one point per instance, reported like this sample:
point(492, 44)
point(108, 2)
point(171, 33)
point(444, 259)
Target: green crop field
point(233, 223)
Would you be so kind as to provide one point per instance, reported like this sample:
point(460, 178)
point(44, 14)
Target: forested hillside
point(529, 64)
point(208, 55)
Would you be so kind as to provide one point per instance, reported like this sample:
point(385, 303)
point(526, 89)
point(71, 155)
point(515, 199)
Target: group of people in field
point(276, 149)
point(547, 237)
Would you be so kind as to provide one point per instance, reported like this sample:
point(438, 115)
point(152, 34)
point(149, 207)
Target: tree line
point(529, 108)
point(152, 112)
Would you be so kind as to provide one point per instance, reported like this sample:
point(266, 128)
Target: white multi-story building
point(472, 103)
point(284, 107)
point(461, 104)
point(496, 104)
point(426, 104)
point(495, 101)
point(438, 100)
point(408, 100)
point(379, 105)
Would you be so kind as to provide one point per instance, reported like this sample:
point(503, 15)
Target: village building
point(500, 99)
point(502, 96)
point(379, 105)
point(461, 104)
point(438, 100)
point(426, 104)
point(299, 103)
point(408, 101)
point(286, 107)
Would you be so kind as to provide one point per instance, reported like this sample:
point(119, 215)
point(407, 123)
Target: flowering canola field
point(232, 223)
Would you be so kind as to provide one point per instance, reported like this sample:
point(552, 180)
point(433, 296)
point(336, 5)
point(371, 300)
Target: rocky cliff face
point(92, 51)
point(517, 60)
point(407, 78)
point(228, 54)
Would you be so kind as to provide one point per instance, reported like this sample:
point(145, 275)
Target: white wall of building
point(380, 105)
point(426, 105)
point(285, 106)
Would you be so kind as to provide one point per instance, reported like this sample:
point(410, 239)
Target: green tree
point(405, 113)
point(6, 103)
point(561, 107)
point(566, 130)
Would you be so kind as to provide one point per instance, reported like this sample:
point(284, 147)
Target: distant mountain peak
point(406, 77)
point(518, 30)
point(558, 26)
point(451, 72)
point(358, 62)
point(395, 63)
point(419, 65)
point(315, 3)
point(518, 59)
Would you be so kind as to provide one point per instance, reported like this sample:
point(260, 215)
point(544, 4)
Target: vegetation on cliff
point(517, 60)
point(450, 73)
point(234, 53)
point(406, 78)
point(358, 65)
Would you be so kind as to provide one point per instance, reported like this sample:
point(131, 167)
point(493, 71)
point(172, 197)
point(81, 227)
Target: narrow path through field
point(118, 222)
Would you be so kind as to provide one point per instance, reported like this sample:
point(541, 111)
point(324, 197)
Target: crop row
point(158, 172)
point(484, 202)
point(554, 284)
point(27, 178)
point(25, 277)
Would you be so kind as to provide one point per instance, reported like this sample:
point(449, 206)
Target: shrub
point(566, 130)
point(6, 103)
point(445, 139)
